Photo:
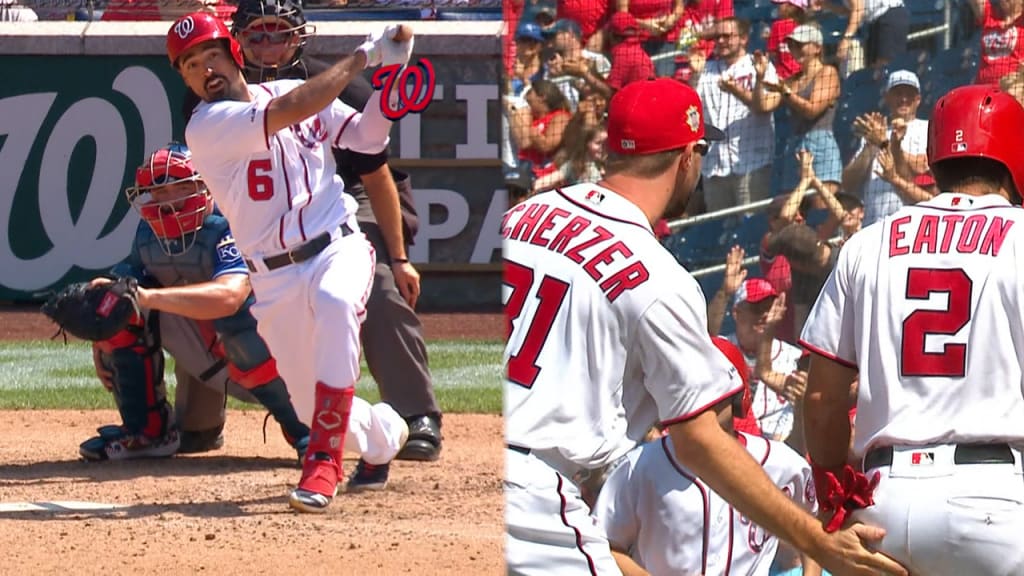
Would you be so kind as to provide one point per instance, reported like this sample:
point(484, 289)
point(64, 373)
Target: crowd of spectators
point(775, 88)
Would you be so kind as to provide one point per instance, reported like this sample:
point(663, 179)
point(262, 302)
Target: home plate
point(58, 506)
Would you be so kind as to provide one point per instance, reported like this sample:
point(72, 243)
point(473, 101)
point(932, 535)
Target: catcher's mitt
point(96, 313)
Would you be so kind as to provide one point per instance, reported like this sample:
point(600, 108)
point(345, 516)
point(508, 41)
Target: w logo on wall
point(405, 89)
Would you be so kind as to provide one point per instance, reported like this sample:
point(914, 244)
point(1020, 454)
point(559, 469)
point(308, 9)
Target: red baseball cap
point(650, 116)
point(754, 290)
point(624, 24)
point(924, 180)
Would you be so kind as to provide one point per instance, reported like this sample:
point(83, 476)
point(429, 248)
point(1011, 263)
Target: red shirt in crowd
point(1002, 47)
point(701, 16)
point(778, 51)
point(137, 10)
point(511, 12)
point(541, 161)
point(629, 63)
point(591, 15)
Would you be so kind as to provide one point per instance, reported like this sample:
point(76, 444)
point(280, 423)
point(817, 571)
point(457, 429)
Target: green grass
point(52, 375)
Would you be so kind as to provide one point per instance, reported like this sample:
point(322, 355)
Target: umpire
point(272, 34)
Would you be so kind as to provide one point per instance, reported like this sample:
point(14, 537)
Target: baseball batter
point(607, 335)
point(264, 150)
point(927, 305)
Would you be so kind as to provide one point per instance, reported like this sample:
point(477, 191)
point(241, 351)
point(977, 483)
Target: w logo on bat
point(405, 89)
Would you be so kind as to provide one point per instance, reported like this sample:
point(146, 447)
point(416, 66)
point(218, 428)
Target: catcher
point(184, 288)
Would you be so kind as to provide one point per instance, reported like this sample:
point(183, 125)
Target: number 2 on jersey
point(261, 183)
point(952, 360)
point(522, 367)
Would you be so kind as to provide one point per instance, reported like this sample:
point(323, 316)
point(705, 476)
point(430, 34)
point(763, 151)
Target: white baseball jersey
point(927, 303)
point(750, 136)
point(608, 334)
point(671, 523)
point(279, 190)
point(774, 414)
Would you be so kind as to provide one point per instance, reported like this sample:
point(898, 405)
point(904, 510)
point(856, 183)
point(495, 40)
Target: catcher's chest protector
point(194, 266)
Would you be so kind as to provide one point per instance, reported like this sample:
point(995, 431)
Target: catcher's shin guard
point(321, 470)
point(251, 365)
point(136, 361)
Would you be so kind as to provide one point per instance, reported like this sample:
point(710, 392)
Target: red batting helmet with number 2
point(978, 121)
point(198, 27)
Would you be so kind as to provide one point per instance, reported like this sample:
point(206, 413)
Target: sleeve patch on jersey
point(228, 252)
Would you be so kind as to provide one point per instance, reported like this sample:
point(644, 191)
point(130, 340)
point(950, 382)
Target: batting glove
point(382, 50)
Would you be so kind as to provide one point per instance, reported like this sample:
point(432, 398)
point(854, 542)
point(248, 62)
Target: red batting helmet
point(742, 410)
point(175, 221)
point(978, 121)
point(197, 27)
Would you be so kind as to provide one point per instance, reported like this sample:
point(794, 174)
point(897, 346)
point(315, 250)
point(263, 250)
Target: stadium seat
point(469, 14)
point(862, 93)
point(701, 245)
point(345, 14)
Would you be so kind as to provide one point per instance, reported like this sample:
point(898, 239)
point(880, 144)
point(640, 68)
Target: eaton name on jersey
point(978, 233)
point(605, 258)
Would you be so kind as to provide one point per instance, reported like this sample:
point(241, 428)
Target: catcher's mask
point(171, 197)
point(272, 34)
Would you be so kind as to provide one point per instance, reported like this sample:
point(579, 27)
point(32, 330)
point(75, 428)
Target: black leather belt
point(299, 253)
point(519, 449)
point(964, 454)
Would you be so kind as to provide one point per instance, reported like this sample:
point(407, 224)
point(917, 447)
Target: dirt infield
point(225, 512)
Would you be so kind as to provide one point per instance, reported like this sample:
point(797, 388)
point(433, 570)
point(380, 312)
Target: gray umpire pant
point(392, 334)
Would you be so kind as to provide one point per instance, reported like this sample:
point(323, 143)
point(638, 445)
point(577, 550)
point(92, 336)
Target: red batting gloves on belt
point(851, 490)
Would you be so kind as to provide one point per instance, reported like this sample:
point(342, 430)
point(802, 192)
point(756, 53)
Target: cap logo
point(628, 144)
point(693, 118)
point(959, 147)
point(184, 27)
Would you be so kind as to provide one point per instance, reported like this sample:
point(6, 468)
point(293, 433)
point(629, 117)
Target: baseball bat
point(403, 34)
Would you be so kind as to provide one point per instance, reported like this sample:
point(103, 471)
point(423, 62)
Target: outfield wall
point(82, 102)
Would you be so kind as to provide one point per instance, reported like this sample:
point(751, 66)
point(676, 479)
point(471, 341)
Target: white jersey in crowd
point(928, 303)
point(774, 415)
point(749, 136)
point(880, 197)
point(287, 191)
point(672, 523)
point(608, 333)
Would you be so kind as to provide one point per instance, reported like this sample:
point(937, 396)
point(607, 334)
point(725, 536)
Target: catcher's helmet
point(289, 21)
point(197, 27)
point(177, 220)
point(978, 121)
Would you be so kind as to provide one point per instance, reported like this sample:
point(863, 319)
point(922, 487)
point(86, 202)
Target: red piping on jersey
point(732, 530)
point(707, 503)
point(576, 531)
point(309, 196)
point(342, 130)
point(592, 211)
point(266, 133)
point(961, 210)
point(369, 284)
point(828, 355)
point(693, 413)
point(288, 191)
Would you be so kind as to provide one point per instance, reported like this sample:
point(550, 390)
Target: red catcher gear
point(978, 121)
point(198, 27)
point(180, 217)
